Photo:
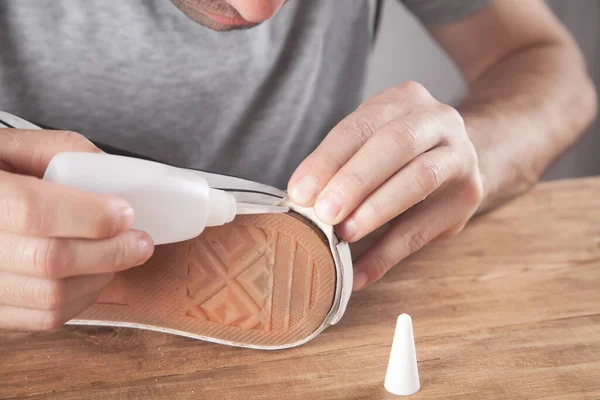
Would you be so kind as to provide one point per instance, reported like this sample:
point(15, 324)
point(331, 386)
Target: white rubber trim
point(18, 123)
point(345, 260)
point(121, 324)
point(232, 183)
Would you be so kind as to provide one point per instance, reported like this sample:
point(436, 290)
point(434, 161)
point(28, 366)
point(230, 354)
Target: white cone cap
point(402, 377)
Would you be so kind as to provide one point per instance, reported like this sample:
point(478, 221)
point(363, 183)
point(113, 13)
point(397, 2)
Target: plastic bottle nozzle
point(221, 207)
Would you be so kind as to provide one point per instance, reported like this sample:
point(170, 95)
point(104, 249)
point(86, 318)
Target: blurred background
point(404, 51)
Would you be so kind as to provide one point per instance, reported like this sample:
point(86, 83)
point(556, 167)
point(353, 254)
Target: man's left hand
point(401, 155)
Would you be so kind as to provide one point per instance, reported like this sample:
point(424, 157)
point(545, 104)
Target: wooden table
point(508, 309)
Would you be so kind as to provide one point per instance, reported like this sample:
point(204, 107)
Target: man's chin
point(204, 20)
point(215, 26)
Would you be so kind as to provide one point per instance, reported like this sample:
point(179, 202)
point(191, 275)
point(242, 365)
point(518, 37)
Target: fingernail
point(146, 248)
point(347, 229)
point(360, 280)
point(304, 191)
point(328, 207)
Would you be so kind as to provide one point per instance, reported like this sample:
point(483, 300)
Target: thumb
point(28, 152)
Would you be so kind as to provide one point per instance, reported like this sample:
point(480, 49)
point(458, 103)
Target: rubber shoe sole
point(263, 281)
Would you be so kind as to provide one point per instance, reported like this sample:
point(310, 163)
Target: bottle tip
point(221, 207)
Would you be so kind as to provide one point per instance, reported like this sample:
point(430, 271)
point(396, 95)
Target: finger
point(29, 151)
point(48, 294)
point(56, 258)
point(410, 232)
point(336, 149)
point(24, 319)
point(390, 149)
point(33, 207)
point(409, 186)
point(344, 140)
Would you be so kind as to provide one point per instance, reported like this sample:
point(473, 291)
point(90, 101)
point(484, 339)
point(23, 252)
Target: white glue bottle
point(171, 204)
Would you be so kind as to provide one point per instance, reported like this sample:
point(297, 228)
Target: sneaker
point(265, 281)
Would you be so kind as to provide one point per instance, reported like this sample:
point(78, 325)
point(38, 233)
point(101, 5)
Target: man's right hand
point(59, 246)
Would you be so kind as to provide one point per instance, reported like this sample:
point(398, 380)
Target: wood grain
point(508, 309)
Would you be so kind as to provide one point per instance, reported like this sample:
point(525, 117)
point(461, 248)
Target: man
point(256, 88)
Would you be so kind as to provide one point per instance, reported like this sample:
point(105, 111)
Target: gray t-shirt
point(141, 76)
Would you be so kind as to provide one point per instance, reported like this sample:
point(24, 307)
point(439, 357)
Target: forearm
point(524, 112)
